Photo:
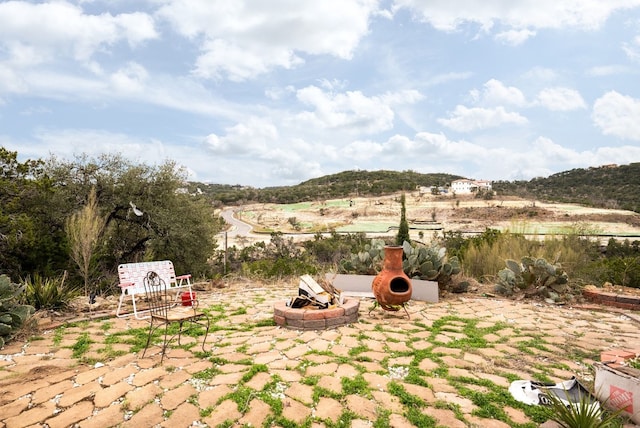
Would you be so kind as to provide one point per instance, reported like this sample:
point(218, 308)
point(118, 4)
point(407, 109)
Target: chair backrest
point(135, 273)
point(155, 289)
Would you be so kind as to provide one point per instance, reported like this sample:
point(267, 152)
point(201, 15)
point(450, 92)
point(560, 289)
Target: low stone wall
point(316, 319)
point(612, 299)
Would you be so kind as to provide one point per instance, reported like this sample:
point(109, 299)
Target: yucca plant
point(586, 413)
point(49, 293)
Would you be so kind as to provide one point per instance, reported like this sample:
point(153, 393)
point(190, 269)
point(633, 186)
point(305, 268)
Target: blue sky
point(269, 93)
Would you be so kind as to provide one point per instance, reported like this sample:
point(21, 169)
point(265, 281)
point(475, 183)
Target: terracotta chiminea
point(392, 287)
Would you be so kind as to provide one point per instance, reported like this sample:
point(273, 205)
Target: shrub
point(278, 268)
point(483, 255)
point(12, 313)
point(49, 293)
point(332, 249)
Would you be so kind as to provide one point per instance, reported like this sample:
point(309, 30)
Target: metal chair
point(164, 311)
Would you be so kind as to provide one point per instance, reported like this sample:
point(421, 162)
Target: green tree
point(403, 229)
point(84, 229)
point(29, 240)
point(150, 215)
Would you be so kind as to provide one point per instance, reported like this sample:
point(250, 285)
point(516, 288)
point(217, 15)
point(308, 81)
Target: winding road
point(238, 227)
point(239, 230)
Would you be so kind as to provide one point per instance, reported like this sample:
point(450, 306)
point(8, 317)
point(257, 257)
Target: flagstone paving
point(448, 365)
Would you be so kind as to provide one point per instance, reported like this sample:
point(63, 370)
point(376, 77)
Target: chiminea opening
point(399, 285)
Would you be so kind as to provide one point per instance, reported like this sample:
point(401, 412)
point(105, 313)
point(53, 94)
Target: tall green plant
point(12, 313)
point(49, 293)
point(403, 229)
point(84, 229)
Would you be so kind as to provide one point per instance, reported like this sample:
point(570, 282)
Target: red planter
point(392, 287)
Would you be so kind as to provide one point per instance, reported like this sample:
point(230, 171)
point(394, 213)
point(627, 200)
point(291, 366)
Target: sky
point(273, 93)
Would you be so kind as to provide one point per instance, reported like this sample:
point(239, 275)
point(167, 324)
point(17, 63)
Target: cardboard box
point(310, 288)
point(619, 388)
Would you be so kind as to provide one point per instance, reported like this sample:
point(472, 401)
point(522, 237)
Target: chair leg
point(180, 323)
point(206, 333)
point(164, 345)
point(148, 337)
point(118, 314)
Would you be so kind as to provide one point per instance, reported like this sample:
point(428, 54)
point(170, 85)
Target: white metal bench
point(131, 276)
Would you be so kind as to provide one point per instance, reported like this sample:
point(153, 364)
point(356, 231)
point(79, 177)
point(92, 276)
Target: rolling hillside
point(609, 186)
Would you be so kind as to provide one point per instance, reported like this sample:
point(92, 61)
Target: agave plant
point(49, 293)
point(12, 313)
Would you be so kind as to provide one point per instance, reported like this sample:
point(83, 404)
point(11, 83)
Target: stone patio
point(435, 366)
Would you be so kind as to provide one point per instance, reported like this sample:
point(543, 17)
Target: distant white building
point(470, 186)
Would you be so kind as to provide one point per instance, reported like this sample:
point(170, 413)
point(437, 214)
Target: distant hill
point(608, 186)
point(340, 185)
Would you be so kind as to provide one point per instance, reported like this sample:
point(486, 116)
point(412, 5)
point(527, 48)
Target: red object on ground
point(188, 297)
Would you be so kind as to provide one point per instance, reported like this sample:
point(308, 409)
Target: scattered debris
point(314, 294)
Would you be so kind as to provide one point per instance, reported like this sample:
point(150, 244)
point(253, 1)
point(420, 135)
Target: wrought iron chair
point(164, 311)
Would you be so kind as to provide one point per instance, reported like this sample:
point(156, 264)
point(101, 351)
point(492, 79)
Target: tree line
point(50, 209)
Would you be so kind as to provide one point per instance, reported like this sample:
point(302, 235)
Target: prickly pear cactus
point(367, 262)
point(430, 263)
point(12, 314)
point(534, 277)
point(419, 261)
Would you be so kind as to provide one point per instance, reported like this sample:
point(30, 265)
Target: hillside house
point(465, 186)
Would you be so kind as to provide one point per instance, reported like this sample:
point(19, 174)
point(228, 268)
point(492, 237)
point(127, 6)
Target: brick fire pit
point(310, 318)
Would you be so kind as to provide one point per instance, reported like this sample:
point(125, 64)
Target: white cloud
point(130, 79)
point(448, 77)
point(496, 93)
point(561, 99)
point(237, 62)
point(245, 38)
point(632, 49)
point(253, 137)
point(11, 81)
point(67, 143)
point(35, 33)
point(561, 158)
point(362, 150)
point(543, 74)
point(464, 119)
point(549, 149)
point(608, 70)
point(514, 37)
point(351, 110)
point(519, 15)
point(618, 115)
